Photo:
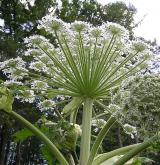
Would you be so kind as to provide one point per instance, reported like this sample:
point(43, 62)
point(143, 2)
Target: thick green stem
point(136, 150)
point(103, 157)
point(53, 149)
point(86, 131)
point(100, 138)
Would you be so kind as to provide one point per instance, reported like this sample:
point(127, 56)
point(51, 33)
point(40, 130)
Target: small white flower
point(26, 96)
point(96, 32)
point(13, 63)
point(80, 26)
point(39, 85)
point(15, 74)
point(2, 65)
point(116, 30)
point(32, 52)
point(35, 40)
point(51, 24)
point(46, 105)
point(77, 128)
point(61, 97)
point(38, 66)
point(113, 108)
point(12, 82)
point(130, 130)
point(139, 46)
point(98, 123)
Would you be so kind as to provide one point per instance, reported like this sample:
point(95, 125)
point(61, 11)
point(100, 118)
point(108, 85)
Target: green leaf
point(47, 155)
point(6, 99)
point(25, 133)
point(22, 135)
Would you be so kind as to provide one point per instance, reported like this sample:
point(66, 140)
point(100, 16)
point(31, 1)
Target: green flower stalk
point(84, 63)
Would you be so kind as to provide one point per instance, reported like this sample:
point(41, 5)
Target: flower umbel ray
point(87, 61)
point(92, 58)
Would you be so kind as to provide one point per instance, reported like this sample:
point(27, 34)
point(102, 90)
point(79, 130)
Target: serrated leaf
point(47, 155)
point(22, 135)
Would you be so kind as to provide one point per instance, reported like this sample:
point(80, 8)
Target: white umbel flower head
point(131, 130)
point(12, 82)
point(116, 30)
point(39, 85)
point(26, 96)
point(38, 66)
point(46, 105)
point(51, 24)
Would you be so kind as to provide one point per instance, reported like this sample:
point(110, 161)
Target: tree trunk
point(4, 138)
point(7, 152)
point(18, 152)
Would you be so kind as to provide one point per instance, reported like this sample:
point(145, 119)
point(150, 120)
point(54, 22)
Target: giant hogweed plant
point(84, 64)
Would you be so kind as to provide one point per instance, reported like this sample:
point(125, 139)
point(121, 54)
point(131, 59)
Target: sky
point(150, 27)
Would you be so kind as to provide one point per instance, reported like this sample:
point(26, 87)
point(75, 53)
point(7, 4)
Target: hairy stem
point(53, 149)
point(86, 131)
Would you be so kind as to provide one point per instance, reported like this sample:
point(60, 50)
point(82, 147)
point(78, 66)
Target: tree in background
point(95, 13)
point(20, 21)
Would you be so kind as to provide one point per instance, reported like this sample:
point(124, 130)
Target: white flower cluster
point(12, 82)
point(77, 128)
point(51, 24)
point(14, 69)
point(26, 96)
point(114, 109)
point(36, 39)
point(131, 130)
point(138, 98)
point(84, 61)
point(116, 29)
point(38, 66)
point(98, 123)
point(17, 62)
point(46, 105)
point(39, 85)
